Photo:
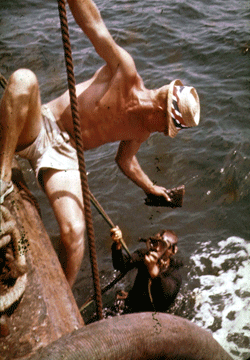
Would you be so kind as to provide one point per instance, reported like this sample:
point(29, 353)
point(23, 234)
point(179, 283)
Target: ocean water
point(205, 44)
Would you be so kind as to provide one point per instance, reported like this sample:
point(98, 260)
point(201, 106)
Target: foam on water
point(222, 300)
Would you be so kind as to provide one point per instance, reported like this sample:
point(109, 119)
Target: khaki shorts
point(52, 148)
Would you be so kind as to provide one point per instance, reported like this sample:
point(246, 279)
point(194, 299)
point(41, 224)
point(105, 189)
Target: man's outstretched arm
point(129, 165)
point(89, 19)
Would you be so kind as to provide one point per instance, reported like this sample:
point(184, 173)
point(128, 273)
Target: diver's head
point(164, 243)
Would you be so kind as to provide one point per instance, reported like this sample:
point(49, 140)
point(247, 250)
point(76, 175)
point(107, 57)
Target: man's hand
point(129, 165)
point(151, 261)
point(175, 196)
point(159, 191)
point(116, 236)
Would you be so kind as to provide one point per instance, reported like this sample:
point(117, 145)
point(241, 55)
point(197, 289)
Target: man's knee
point(23, 81)
point(72, 234)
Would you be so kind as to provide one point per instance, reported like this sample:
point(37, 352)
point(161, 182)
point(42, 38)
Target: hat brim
point(171, 128)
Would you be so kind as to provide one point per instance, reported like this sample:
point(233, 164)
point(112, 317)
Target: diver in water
point(158, 280)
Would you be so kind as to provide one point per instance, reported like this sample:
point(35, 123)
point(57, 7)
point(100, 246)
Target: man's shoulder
point(127, 64)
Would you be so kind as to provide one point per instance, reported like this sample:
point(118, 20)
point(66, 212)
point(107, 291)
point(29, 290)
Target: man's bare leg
point(63, 189)
point(20, 118)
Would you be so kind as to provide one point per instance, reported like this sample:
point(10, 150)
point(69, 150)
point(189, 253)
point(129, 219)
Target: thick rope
point(3, 81)
point(9, 232)
point(80, 155)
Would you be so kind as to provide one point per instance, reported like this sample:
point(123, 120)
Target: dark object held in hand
point(175, 194)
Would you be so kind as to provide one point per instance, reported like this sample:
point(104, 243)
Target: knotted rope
point(80, 154)
point(15, 258)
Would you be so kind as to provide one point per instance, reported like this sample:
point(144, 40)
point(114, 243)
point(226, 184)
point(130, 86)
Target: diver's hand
point(151, 261)
point(116, 236)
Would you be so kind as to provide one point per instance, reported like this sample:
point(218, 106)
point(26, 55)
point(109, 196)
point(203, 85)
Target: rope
point(8, 233)
point(117, 237)
point(80, 155)
point(3, 81)
point(104, 290)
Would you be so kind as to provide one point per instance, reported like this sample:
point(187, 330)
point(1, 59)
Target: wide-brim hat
point(183, 108)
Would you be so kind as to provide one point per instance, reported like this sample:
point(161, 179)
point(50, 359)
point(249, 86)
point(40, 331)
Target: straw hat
point(183, 108)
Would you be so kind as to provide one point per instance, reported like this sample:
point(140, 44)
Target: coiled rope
point(80, 155)
point(9, 232)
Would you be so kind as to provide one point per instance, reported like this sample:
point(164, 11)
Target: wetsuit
point(163, 289)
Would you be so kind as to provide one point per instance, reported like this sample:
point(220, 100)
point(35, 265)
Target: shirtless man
point(114, 105)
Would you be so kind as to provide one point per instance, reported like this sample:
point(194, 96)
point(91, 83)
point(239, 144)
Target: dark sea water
point(205, 44)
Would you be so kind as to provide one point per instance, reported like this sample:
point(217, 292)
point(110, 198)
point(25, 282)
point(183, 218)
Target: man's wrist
point(149, 189)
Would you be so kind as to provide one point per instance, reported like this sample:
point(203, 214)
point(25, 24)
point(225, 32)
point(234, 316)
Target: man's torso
point(108, 109)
